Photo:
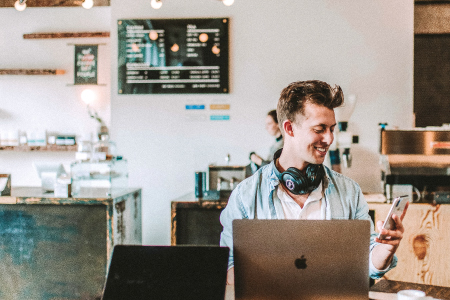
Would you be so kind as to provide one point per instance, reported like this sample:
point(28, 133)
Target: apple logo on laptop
point(300, 263)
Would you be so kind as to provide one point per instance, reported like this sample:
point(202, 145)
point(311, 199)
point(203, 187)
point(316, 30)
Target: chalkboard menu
point(173, 56)
point(86, 64)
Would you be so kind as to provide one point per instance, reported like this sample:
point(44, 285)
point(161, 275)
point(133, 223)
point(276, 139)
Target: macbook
point(167, 272)
point(301, 259)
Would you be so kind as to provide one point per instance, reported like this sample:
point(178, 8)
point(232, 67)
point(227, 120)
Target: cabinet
point(196, 222)
point(59, 248)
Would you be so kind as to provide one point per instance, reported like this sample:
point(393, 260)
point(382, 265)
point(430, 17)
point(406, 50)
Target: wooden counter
point(423, 255)
point(59, 248)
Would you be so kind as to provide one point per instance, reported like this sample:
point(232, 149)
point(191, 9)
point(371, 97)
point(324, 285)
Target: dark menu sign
point(173, 56)
point(85, 64)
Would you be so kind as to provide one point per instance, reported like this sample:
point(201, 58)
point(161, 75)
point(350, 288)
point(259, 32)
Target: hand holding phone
point(398, 206)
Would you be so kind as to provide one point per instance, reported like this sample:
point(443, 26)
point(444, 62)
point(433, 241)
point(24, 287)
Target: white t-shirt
point(312, 209)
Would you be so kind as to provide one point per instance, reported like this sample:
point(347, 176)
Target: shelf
point(31, 72)
point(55, 3)
point(63, 35)
point(48, 148)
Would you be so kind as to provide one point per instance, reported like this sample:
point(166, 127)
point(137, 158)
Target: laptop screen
point(167, 272)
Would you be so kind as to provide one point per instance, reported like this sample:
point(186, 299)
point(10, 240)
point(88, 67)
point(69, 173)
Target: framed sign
point(173, 56)
point(86, 64)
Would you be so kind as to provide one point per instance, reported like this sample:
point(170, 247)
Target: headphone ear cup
point(295, 181)
point(315, 174)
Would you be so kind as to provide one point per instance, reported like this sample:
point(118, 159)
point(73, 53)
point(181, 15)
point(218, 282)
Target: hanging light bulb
point(156, 4)
point(88, 96)
point(20, 5)
point(87, 4)
point(228, 2)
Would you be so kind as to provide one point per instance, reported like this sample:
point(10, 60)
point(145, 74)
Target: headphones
point(297, 182)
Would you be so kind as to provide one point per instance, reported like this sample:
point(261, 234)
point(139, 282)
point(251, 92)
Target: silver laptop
point(301, 259)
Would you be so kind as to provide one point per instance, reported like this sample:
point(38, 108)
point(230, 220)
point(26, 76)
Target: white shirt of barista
point(312, 210)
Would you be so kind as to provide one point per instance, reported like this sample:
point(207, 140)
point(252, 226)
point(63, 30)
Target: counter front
point(59, 248)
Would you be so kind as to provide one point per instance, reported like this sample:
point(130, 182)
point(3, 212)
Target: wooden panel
point(31, 72)
point(26, 148)
point(52, 251)
point(431, 77)
point(432, 18)
point(61, 35)
point(388, 286)
point(54, 3)
point(195, 223)
point(423, 253)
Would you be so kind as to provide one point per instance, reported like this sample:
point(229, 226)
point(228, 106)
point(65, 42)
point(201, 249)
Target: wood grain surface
point(423, 255)
point(54, 3)
point(31, 72)
point(61, 35)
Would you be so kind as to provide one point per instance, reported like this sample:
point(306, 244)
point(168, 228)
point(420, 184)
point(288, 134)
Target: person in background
point(306, 115)
point(274, 130)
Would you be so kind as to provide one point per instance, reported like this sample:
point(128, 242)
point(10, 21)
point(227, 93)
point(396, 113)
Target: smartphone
point(398, 206)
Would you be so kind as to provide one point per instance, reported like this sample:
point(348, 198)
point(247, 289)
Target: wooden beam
point(61, 35)
point(31, 72)
point(54, 3)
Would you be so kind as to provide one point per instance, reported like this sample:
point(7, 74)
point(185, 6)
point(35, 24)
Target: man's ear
point(288, 129)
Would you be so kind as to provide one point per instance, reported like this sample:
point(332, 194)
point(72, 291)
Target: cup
point(412, 295)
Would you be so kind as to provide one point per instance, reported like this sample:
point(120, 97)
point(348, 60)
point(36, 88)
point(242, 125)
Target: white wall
point(365, 46)
point(48, 102)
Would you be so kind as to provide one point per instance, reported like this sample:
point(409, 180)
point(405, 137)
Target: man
point(306, 117)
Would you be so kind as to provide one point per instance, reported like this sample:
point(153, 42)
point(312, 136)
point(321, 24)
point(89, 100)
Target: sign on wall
point(86, 64)
point(173, 56)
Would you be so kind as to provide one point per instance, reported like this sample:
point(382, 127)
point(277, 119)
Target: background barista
point(274, 130)
point(308, 189)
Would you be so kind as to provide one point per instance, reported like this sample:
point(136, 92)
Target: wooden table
point(59, 248)
point(385, 290)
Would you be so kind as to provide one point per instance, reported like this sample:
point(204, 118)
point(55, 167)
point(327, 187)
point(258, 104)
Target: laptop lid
point(301, 259)
point(167, 272)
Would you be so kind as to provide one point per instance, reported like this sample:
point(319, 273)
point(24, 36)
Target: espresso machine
point(416, 162)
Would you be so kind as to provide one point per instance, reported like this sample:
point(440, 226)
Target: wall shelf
point(31, 72)
point(55, 3)
point(62, 35)
point(48, 148)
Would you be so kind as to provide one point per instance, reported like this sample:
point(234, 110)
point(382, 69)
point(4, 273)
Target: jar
point(104, 149)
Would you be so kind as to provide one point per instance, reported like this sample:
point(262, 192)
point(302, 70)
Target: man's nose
point(328, 137)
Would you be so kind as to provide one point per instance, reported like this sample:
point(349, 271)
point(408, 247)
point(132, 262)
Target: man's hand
point(256, 159)
point(382, 254)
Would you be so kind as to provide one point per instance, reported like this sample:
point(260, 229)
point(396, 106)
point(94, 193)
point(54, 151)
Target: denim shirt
point(343, 200)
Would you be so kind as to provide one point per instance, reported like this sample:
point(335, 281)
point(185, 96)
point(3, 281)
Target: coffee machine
point(416, 162)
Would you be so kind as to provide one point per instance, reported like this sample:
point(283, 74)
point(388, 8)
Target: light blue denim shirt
point(343, 200)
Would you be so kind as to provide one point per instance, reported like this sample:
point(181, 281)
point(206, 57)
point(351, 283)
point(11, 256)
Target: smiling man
point(296, 184)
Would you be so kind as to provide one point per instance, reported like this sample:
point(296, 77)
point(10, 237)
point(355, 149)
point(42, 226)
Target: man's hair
point(273, 114)
point(295, 95)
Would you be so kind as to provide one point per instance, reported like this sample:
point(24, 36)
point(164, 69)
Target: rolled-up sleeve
point(363, 213)
point(232, 211)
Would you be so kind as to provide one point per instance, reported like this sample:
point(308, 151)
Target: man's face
point(313, 133)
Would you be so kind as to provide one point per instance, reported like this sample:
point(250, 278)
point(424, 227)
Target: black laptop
point(167, 272)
